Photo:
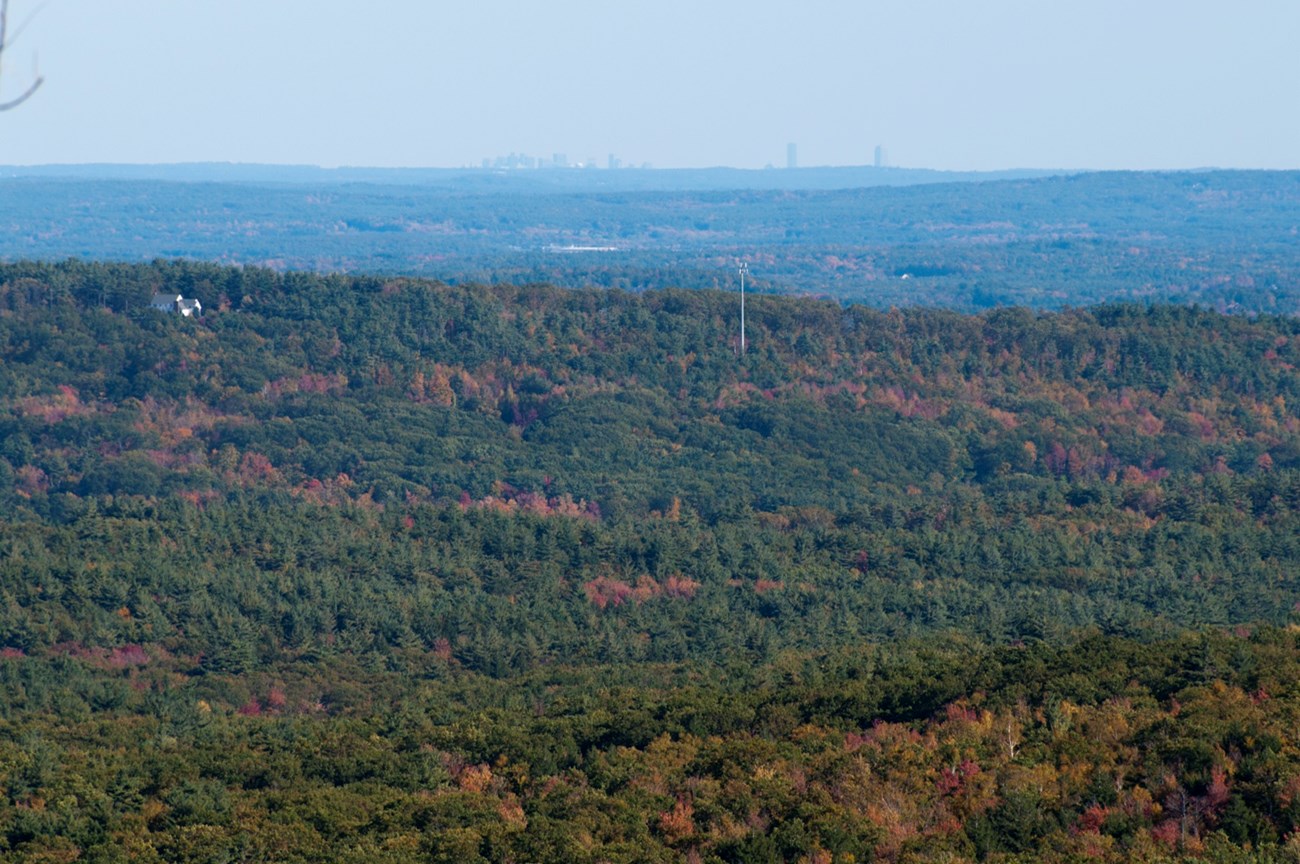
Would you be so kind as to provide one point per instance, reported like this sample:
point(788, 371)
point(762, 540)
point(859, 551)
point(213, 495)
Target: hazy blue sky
point(959, 84)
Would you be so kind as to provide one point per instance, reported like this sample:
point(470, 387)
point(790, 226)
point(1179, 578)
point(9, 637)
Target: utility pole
point(744, 271)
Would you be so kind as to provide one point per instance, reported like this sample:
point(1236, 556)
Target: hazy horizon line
point(598, 169)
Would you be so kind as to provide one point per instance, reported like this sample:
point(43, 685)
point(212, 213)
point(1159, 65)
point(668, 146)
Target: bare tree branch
point(27, 94)
point(31, 16)
point(5, 42)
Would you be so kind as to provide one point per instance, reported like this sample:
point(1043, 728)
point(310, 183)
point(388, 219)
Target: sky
point(948, 84)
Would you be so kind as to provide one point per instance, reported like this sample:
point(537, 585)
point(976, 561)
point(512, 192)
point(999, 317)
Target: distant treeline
point(1222, 239)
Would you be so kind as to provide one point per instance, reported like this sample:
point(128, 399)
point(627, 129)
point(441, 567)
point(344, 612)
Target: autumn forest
point(383, 569)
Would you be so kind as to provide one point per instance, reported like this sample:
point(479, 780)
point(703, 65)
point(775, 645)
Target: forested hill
point(421, 391)
point(368, 569)
point(1010, 438)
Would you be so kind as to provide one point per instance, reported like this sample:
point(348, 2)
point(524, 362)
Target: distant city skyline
point(515, 161)
point(945, 84)
point(526, 162)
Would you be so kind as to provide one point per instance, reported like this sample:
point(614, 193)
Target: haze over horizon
point(1010, 84)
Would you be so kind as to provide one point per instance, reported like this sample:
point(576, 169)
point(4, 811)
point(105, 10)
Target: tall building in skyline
point(791, 155)
point(880, 156)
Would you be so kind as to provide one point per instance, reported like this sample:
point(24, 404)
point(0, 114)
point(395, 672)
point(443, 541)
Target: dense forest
point(386, 569)
point(1221, 239)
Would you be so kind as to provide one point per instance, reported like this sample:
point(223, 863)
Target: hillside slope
point(385, 569)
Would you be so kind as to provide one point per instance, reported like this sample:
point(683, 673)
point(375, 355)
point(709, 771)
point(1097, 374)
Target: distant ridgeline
point(886, 237)
point(384, 569)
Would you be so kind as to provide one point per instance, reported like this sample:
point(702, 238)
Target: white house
point(176, 303)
